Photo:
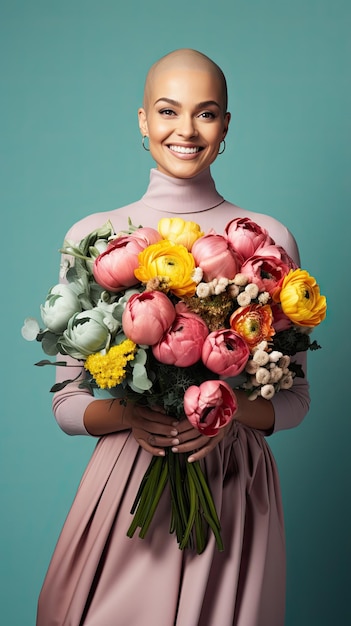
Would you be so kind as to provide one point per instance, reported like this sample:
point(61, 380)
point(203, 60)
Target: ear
point(143, 122)
point(227, 118)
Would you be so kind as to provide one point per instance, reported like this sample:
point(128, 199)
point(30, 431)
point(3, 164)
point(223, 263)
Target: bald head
point(185, 59)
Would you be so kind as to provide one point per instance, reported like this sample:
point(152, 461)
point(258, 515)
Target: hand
point(153, 429)
point(191, 440)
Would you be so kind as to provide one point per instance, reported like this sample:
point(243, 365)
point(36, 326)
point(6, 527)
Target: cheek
point(214, 137)
point(158, 131)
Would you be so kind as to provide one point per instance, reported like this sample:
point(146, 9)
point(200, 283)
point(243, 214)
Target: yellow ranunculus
point(179, 231)
point(300, 299)
point(168, 260)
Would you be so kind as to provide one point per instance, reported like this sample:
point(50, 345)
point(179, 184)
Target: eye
point(207, 115)
point(167, 112)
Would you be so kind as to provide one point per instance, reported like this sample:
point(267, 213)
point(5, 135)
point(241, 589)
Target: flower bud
point(210, 406)
point(86, 334)
point(182, 344)
point(60, 304)
point(147, 316)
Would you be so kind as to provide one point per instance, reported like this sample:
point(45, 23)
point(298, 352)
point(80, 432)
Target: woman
point(98, 576)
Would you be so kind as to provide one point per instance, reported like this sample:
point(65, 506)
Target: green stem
point(161, 485)
point(206, 490)
point(206, 499)
point(144, 481)
point(192, 512)
point(146, 494)
point(180, 505)
point(199, 533)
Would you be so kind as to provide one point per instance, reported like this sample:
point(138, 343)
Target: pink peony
point(147, 316)
point(214, 254)
point(268, 267)
point(114, 268)
point(182, 343)
point(246, 236)
point(210, 406)
point(225, 352)
point(146, 235)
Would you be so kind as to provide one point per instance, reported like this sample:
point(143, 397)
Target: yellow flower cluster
point(170, 261)
point(300, 299)
point(108, 369)
point(181, 232)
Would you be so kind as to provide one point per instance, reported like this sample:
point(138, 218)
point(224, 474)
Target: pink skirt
point(100, 577)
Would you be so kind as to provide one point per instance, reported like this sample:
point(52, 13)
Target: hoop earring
point(221, 151)
point(143, 143)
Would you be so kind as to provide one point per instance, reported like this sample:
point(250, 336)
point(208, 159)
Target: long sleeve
point(292, 405)
point(69, 404)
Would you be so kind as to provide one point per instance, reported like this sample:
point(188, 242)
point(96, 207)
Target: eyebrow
point(200, 105)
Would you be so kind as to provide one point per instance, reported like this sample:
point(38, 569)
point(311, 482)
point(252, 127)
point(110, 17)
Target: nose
point(186, 127)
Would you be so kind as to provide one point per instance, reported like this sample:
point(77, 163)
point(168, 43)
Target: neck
point(185, 195)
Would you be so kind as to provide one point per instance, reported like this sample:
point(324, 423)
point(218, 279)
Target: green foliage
point(292, 340)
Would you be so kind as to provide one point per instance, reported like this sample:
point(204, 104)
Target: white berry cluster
point(268, 372)
point(238, 288)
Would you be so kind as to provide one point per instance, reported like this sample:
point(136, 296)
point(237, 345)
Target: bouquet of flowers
point(164, 317)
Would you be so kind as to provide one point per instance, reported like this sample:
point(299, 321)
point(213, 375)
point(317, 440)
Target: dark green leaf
point(47, 362)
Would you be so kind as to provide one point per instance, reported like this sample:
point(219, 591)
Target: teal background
point(72, 75)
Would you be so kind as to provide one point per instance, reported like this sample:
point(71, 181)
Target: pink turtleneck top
point(195, 199)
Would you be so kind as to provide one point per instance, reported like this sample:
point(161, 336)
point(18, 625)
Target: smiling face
point(184, 115)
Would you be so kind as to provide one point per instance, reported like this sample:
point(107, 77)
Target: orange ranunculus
point(300, 299)
point(179, 231)
point(253, 323)
point(173, 262)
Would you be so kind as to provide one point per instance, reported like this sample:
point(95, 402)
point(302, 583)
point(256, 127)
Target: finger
point(153, 426)
point(157, 429)
point(185, 426)
point(161, 442)
point(191, 434)
point(199, 454)
point(190, 445)
point(146, 413)
point(151, 449)
point(210, 445)
point(152, 442)
point(146, 444)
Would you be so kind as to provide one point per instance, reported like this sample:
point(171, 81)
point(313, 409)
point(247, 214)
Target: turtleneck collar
point(181, 195)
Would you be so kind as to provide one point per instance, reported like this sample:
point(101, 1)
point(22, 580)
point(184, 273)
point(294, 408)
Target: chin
point(184, 170)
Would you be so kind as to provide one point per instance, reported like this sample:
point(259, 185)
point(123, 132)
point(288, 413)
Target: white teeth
point(184, 150)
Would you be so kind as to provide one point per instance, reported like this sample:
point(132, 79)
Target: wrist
point(103, 417)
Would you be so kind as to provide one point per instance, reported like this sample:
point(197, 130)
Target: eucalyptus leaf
point(47, 362)
point(104, 232)
point(140, 358)
point(134, 387)
point(140, 377)
point(59, 386)
point(49, 343)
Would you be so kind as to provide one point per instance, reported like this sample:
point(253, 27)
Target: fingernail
point(175, 442)
point(175, 423)
point(174, 449)
point(174, 433)
point(161, 453)
point(191, 459)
